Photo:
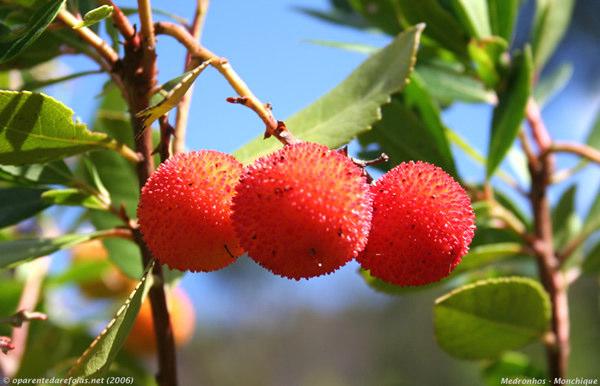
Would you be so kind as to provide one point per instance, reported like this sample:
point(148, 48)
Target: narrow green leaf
point(553, 84)
point(503, 14)
point(484, 319)
point(514, 366)
point(380, 13)
point(17, 204)
point(442, 26)
point(474, 16)
point(37, 84)
point(339, 17)
point(20, 251)
point(483, 255)
point(36, 128)
point(53, 173)
point(565, 222)
point(354, 105)
point(94, 16)
point(353, 47)
point(552, 18)
point(487, 56)
point(592, 219)
point(17, 40)
point(72, 197)
point(391, 289)
point(510, 111)
point(593, 138)
point(448, 85)
point(97, 359)
point(591, 264)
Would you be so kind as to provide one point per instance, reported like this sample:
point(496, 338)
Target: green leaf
point(339, 17)
point(591, 264)
point(503, 14)
point(446, 84)
point(97, 359)
point(593, 138)
point(474, 16)
point(592, 219)
point(119, 178)
point(391, 289)
point(552, 18)
point(37, 84)
point(484, 319)
point(487, 56)
point(512, 365)
point(442, 26)
point(36, 128)
point(553, 84)
point(72, 197)
point(411, 129)
point(353, 47)
point(354, 105)
point(380, 13)
point(17, 40)
point(20, 251)
point(95, 16)
point(565, 222)
point(510, 111)
point(80, 273)
point(483, 255)
point(17, 204)
point(53, 173)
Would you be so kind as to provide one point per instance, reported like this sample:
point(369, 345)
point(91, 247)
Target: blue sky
point(266, 42)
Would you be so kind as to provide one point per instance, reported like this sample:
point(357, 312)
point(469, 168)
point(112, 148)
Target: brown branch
point(183, 109)
point(90, 37)
point(579, 149)
point(28, 301)
point(273, 127)
point(120, 20)
point(558, 347)
point(23, 316)
point(138, 71)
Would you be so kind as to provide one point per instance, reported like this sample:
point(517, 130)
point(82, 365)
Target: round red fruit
point(185, 211)
point(302, 211)
point(422, 225)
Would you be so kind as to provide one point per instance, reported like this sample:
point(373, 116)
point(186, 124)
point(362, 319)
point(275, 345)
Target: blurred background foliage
point(255, 329)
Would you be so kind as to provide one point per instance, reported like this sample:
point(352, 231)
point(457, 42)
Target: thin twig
point(579, 149)
point(183, 109)
point(552, 278)
point(273, 127)
point(23, 316)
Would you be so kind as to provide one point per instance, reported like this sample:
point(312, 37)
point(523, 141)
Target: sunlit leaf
point(552, 84)
point(484, 319)
point(503, 14)
point(354, 105)
point(552, 18)
point(474, 16)
point(94, 16)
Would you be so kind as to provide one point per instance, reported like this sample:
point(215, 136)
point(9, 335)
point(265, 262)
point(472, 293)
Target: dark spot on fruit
point(312, 251)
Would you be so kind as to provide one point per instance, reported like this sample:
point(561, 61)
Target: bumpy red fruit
point(185, 211)
point(422, 225)
point(302, 211)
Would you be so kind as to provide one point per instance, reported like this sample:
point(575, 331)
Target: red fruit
point(185, 211)
point(422, 225)
point(302, 211)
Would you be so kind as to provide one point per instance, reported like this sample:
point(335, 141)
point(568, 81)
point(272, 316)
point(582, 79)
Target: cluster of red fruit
point(305, 211)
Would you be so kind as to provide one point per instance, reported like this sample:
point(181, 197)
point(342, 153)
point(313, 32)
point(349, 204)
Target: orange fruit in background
point(112, 283)
point(141, 339)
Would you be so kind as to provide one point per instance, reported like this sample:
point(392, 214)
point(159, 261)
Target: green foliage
point(15, 252)
point(15, 41)
point(552, 19)
point(552, 84)
point(474, 15)
point(512, 365)
point(56, 172)
point(72, 197)
point(95, 16)
point(503, 14)
point(591, 263)
point(486, 318)
point(510, 111)
point(17, 204)
point(354, 105)
point(97, 359)
point(35, 128)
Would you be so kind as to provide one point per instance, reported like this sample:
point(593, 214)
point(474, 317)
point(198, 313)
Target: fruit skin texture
point(112, 283)
point(302, 211)
point(185, 211)
point(423, 224)
point(141, 339)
